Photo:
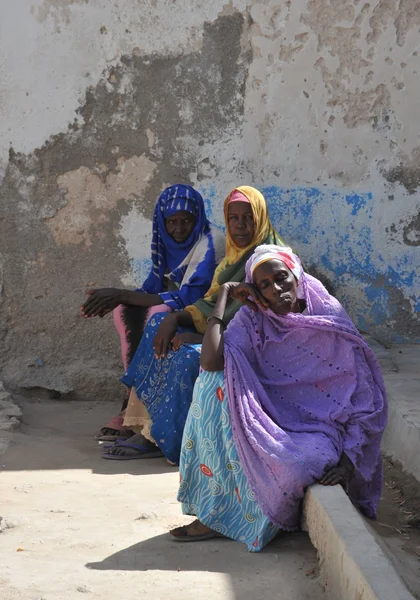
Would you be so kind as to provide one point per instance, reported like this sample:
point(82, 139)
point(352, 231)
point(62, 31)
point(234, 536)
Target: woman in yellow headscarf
point(166, 365)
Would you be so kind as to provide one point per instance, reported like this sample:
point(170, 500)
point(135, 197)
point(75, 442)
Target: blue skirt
point(165, 386)
point(213, 486)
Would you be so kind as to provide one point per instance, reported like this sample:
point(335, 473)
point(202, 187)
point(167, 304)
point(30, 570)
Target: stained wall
point(103, 104)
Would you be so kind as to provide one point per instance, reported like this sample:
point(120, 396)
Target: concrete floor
point(77, 524)
point(402, 437)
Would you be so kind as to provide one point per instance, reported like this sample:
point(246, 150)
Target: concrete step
point(353, 565)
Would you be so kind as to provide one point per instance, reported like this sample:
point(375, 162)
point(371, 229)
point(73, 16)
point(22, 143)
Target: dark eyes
point(249, 218)
point(279, 278)
point(186, 221)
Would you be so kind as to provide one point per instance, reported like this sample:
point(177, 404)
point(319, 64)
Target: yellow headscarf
point(262, 228)
point(264, 232)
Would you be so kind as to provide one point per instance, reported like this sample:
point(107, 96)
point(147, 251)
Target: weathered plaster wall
point(102, 104)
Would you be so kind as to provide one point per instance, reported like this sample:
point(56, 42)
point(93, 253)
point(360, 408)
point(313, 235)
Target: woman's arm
point(132, 298)
point(167, 331)
point(102, 301)
point(211, 358)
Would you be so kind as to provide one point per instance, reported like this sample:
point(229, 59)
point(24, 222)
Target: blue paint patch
point(141, 268)
point(213, 205)
point(337, 269)
point(357, 201)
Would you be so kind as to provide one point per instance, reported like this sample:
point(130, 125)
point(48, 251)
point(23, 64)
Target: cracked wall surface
point(104, 104)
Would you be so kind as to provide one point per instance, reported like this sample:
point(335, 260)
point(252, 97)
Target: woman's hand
point(341, 473)
point(101, 301)
point(185, 338)
point(246, 293)
point(164, 335)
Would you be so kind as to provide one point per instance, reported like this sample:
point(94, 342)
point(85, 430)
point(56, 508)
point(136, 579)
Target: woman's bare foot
point(194, 532)
point(107, 431)
point(114, 430)
point(136, 446)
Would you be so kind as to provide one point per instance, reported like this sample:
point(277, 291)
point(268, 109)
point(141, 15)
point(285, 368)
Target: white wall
point(103, 103)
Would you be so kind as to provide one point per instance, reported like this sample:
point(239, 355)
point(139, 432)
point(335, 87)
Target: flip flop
point(114, 438)
point(145, 452)
point(194, 538)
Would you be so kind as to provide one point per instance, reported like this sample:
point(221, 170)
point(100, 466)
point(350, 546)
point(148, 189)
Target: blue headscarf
point(167, 254)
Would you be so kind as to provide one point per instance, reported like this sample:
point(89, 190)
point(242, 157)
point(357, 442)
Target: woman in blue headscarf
point(186, 249)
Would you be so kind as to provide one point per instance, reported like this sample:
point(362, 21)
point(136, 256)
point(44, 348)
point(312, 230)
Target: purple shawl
point(303, 388)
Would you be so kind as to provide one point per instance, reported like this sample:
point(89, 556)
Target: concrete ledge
point(353, 565)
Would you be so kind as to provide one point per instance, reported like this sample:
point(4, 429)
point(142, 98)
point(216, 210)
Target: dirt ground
point(74, 524)
point(398, 523)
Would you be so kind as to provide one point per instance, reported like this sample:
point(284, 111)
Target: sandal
point(142, 451)
point(185, 536)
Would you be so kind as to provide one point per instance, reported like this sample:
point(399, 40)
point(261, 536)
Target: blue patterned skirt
point(213, 486)
point(165, 386)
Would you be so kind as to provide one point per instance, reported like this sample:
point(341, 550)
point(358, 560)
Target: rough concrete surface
point(402, 436)
point(103, 104)
point(10, 414)
point(353, 565)
point(398, 524)
point(76, 524)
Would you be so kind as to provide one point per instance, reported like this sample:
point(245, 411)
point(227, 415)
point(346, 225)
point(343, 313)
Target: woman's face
point(277, 284)
point(241, 223)
point(180, 225)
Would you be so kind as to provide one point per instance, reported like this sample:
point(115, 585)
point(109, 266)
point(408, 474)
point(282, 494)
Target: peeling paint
point(104, 105)
point(90, 201)
point(359, 107)
point(341, 41)
point(408, 176)
point(411, 231)
point(404, 15)
point(58, 9)
point(407, 173)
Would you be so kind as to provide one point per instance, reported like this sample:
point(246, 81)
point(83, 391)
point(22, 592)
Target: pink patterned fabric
point(303, 388)
point(122, 329)
point(237, 196)
point(159, 308)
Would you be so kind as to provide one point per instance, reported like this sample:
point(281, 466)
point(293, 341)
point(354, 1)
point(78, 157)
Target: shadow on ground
point(45, 422)
point(251, 574)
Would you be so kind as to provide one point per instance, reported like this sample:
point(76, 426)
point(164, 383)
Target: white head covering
point(267, 252)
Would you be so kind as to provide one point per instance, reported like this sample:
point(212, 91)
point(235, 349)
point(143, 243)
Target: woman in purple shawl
point(301, 400)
